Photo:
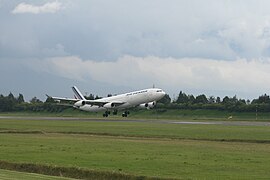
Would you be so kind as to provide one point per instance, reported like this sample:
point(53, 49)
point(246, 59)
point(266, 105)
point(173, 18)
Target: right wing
point(101, 103)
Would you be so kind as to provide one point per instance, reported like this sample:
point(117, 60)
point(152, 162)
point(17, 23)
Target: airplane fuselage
point(131, 99)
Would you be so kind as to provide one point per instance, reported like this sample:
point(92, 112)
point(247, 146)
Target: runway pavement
point(159, 121)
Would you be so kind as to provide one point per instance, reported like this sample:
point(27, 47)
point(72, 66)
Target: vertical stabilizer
point(77, 93)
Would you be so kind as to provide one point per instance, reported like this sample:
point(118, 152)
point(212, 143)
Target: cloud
point(241, 75)
point(177, 29)
point(177, 45)
point(50, 7)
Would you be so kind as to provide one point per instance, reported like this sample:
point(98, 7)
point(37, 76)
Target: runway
point(157, 121)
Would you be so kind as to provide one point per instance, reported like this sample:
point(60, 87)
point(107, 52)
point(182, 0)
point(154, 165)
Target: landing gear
point(106, 114)
point(125, 114)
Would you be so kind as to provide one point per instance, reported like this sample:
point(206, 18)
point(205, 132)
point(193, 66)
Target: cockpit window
point(159, 90)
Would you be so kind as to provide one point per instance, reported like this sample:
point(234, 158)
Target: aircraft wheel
point(124, 114)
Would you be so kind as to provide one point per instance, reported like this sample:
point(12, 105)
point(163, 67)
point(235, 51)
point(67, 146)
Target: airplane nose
point(163, 94)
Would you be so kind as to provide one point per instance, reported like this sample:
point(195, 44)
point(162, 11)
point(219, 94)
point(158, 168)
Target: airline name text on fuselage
point(137, 92)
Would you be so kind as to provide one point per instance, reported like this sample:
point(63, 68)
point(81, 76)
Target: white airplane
point(146, 98)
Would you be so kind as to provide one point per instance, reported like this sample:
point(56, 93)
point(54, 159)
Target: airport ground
point(189, 147)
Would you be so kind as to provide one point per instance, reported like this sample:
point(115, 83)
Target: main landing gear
point(107, 113)
point(125, 114)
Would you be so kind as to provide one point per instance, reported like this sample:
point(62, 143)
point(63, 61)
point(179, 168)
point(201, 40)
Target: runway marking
point(194, 122)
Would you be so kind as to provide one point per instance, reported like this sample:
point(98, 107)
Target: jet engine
point(79, 103)
point(109, 105)
point(148, 105)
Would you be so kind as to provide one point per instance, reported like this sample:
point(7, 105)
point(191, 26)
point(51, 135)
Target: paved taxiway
point(159, 121)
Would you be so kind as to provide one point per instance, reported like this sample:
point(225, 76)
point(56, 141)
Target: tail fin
point(77, 93)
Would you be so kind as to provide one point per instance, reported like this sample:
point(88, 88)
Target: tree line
point(184, 101)
point(11, 103)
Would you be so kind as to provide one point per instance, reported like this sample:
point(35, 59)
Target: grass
point(175, 114)
point(73, 172)
point(133, 129)
point(15, 175)
point(152, 157)
point(140, 149)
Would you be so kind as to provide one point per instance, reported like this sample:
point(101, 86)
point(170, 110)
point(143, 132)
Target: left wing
point(97, 102)
point(59, 99)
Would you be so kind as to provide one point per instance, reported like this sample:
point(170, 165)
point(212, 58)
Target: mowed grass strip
point(260, 134)
point(61, 172)
point(143, 157)
point(15, 175)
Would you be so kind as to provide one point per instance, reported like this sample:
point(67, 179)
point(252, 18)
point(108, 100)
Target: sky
point(105, 47)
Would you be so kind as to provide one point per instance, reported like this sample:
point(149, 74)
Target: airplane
point(145, 98)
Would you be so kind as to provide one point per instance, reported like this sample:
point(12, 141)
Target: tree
point(97, 97)
point(242, 101)
point(165, 100)
point(35, 100)
point(262, 99)
point(234, 100)
point(191, 99)
point(20, 99)
point(218, 100)
point(90, 97)
point(225, 100)
point(201, 99)
point(7, 103)
point(211, 99)
point(11, 97)
point(182, 98)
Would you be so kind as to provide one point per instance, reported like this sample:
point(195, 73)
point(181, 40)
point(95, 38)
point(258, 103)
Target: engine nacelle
point(109, 105)
point(79, 103)
point(148, 105)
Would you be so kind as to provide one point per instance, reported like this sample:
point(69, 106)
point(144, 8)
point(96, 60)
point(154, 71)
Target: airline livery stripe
point(77, 94)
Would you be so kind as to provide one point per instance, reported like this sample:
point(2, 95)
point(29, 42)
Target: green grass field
point(175, 114)
point(146, 149)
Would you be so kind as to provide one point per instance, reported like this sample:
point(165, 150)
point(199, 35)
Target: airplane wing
point(59, 99)
point(96, 102)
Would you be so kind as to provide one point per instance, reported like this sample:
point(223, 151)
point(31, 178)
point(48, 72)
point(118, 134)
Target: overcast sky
point(199, 46)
